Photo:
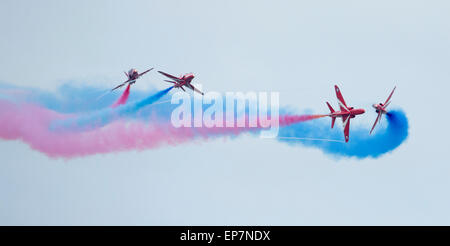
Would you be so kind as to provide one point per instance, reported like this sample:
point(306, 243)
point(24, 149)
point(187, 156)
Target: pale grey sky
point(299, 48)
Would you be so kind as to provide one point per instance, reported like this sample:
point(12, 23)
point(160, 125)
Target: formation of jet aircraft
point(178, 82)
point(345, 112)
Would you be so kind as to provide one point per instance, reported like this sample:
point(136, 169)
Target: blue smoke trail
point(70, 97)
point(361, 144)
point(76, 98)
point(105, 116)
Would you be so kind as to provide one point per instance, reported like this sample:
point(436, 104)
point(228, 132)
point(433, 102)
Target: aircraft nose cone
point(362, 111)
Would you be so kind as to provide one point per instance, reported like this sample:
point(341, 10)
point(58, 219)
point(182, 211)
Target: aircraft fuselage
point(379, 108)
point(188, 78)
point(133, 74)
point(352, 113)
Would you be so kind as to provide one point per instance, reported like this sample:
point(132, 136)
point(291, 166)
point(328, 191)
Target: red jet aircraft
point(381, 109)
point(345, 113)
point(179, 82)
point(132, 76)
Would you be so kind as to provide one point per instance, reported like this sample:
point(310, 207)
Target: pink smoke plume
point(122, 99)
point(30, 123)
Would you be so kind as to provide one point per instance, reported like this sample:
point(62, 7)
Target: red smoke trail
point(286, 120)
point(122, 99)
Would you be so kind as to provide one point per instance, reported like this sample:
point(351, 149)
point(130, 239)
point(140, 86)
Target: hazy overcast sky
point(298, 48)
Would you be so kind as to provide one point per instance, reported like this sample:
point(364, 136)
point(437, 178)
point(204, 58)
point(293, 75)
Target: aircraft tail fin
point(333, 119)
point(331, 108)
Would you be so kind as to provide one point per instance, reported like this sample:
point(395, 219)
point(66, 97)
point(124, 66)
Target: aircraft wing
point(390, 95)
point(347, 128)
point(376, 121)
point(145, 72)
point(169, 76)
point(340, 98)
point(124, 83)
point(117, 87)
point(196, 90)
